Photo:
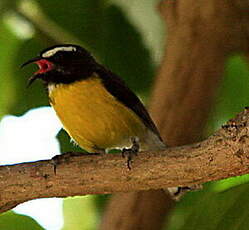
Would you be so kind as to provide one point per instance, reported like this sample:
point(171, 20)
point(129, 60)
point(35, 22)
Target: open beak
point(30, 61)
point(34, 77)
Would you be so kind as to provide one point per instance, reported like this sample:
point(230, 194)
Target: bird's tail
point(152, 142)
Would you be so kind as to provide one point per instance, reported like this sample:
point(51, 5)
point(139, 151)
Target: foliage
point(10, 221)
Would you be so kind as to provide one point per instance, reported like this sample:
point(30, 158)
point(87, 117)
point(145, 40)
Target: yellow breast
point(92, 116)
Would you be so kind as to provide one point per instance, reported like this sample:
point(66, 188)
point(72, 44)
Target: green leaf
point(66, 144)
point(100, 202)
point(7, 85)
point(80, 213)
point(82, 19)
point(124, 52)
point(145, 17)
point(231, 182)
point(12, 221)
point(6, 5)
point(233, 95)
point(207, 210)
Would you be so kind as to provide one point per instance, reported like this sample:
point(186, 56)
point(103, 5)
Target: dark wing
point(119, 90)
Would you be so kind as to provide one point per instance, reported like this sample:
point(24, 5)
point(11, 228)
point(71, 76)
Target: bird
point(95, 106)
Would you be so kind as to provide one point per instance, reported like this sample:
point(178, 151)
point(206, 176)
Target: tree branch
point(46, 28)
point(222, 155)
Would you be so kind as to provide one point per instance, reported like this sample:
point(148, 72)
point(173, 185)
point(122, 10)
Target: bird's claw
point(130, 152)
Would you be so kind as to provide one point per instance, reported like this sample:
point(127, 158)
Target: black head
point(63, 64)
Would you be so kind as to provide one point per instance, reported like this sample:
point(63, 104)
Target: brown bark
point(200, 34)
point(222, 155)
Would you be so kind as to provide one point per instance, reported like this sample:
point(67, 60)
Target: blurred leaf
point(231, 182)
point(80, 213)
point(233, 95)
point(234, 92)
point(66, 144)
point(207, 210)
point(100, 202)
point(124, 52)
point(6, 5)
point(7, 62)
point(81, 18)
point(144, 15)
point(12, 221)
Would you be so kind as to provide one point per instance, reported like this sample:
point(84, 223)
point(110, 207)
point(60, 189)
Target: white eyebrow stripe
point(50, 53)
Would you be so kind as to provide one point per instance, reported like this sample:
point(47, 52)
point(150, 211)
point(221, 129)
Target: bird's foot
point(130, 152)
point(65, 157)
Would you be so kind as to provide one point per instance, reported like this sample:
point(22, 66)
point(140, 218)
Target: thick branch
point(223, 155)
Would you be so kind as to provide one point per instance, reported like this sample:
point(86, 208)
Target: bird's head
point(62, 64)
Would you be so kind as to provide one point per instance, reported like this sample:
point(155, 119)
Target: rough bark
point(200, 34)
point(222, 155)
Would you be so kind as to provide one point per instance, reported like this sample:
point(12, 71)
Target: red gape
point(44, 66)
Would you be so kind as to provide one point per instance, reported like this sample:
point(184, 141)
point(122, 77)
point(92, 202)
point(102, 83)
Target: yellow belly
point(92, 116)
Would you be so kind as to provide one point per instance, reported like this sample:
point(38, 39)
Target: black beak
point(34, 77)
point(31, 80)
point(30, 61)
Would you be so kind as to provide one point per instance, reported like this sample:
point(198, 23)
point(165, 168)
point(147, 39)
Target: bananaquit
point(96, 108)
